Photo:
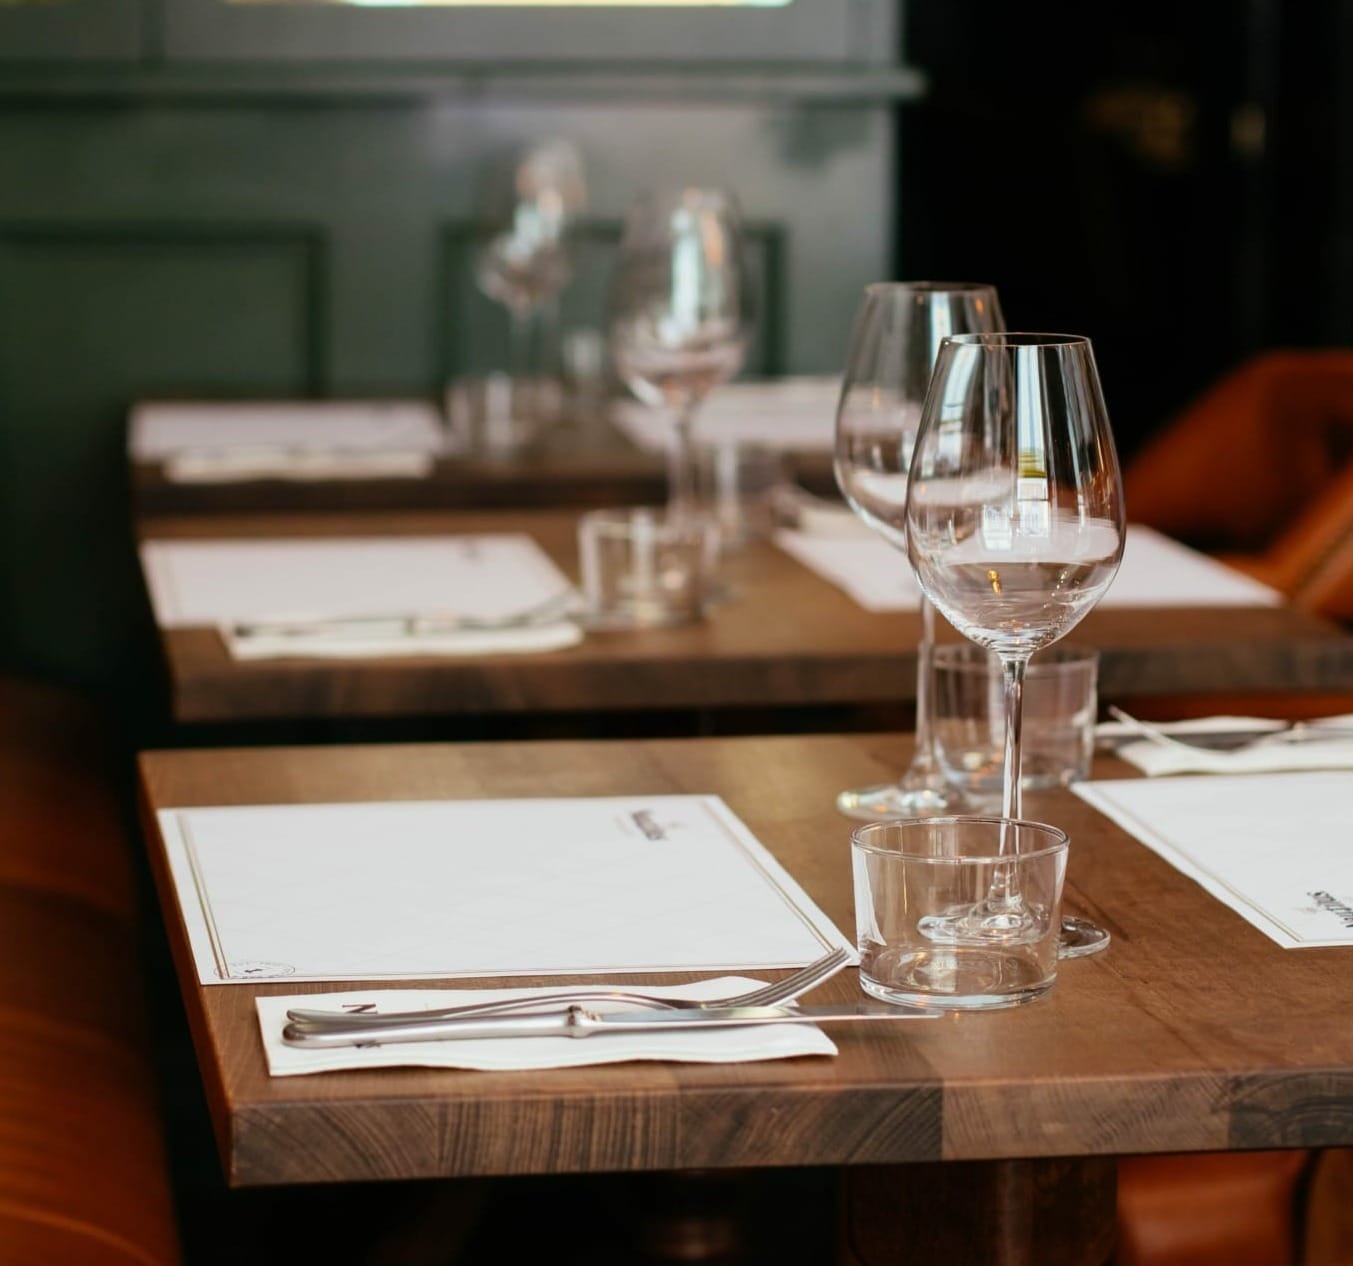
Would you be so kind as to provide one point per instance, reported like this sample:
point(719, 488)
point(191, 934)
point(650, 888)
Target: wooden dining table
point(581, 463)
point(979, 1137)
point(781, 638)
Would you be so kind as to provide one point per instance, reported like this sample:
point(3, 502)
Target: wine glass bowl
point(680, 311)
point(523, 261)
point(1014, 520)
point(897, 333)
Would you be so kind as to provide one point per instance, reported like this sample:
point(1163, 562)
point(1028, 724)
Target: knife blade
point(578, 1021)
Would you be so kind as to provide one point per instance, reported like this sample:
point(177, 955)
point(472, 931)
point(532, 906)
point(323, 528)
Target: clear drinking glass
point(896, 336)
point(908, 873)
point(1015, 528)
point(523, 260)
point(680, 312)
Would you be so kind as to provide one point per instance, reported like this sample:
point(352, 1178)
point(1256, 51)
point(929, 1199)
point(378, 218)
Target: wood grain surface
point(784, 638)
point(1193, 1032)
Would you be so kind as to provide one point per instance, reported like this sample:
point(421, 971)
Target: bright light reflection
point(539, 4)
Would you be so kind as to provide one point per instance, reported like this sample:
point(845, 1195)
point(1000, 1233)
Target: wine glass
point(680, 313)
point(1015, 528)
point(523, 260)
point(897, 333)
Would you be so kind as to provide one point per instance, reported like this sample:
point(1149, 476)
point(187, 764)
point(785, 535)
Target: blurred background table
point(577, 463)
point(785, 639)
point(1155, 1046)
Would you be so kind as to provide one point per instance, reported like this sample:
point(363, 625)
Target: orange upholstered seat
point(1260, 468)
point(83, 1174)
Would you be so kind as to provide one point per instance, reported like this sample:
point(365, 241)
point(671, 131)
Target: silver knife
point(554, 609)
point(578, 1021)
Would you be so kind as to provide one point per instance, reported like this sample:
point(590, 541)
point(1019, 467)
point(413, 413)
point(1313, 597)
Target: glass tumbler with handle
point(1015, 528)
point(896, 337)
point(680, 312)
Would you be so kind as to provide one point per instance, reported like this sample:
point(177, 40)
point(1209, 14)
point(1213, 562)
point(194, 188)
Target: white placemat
point(432, 889)
point(218, 582)
point(793, 414)
point(1155, 572)
point(712, 1046)
point(1276, 848)
point(226, 441)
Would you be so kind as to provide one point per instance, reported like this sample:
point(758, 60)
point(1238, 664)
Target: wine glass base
point(1080, 938)
point(901, 800)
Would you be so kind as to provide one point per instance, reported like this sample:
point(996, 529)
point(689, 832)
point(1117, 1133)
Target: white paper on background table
point(239, 435)
point(419, 889)
point(709, 1046)
point(1156, 572)
point(795, 414)
point(1276, 848)
point(194, 583)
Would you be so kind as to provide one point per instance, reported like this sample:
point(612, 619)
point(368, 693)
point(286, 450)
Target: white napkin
point(300, 465)
point(1271, 755)
point(326, 644)
point(708, 1046)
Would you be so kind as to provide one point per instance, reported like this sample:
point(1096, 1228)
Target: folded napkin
point(708, 1046)
point(237, 465)
point(1265, 755)
point(811, 515)
point(327, 643)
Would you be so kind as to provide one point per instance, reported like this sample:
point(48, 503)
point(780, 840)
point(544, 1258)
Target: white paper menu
point(1156, 572)
point(420, 889)
point(165, 428)
point(214, 582)
point(1276, 848)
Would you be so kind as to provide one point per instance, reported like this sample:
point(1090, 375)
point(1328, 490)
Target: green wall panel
point(92, 318)
point(235, 248)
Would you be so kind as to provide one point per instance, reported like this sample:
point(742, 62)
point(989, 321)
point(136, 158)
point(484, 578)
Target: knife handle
point(571, 1023)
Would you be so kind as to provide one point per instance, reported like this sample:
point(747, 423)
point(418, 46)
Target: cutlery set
point(1245, 733)
point(557, 607)
point(565, 1016)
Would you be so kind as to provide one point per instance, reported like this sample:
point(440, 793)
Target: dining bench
point(84, 1179)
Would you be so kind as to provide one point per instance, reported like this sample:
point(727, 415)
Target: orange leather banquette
point(1260, 468)
point(83, 1174)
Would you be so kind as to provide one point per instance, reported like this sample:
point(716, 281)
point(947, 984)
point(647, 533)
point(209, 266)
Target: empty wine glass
point(1015, 528)
point(680, 315)
point(523, 258)
point(893, 345)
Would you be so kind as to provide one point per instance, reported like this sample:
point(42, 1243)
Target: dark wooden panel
point(92, 317)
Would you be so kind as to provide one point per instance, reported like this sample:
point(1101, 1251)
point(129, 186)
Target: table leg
point(999, 1213)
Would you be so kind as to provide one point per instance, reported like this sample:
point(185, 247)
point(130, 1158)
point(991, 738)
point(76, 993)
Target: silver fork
point(551, 609)
point(764, 996)
point(1287, 732)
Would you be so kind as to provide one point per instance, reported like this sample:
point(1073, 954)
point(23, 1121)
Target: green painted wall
point(166, 230)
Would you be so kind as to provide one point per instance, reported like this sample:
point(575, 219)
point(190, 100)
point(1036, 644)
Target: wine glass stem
point(925, 653)
point(1012, 794)
point(519, 356)
point(681, 465)
point(1004, 894)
